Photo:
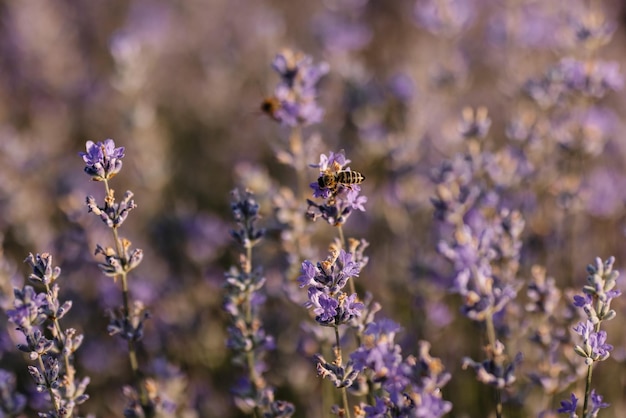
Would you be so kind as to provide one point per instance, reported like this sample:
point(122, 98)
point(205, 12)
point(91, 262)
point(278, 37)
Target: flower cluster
point(341, 197)
point(102, 159)
point(402, 387)
point(572, 77)
point(325, 281)
point(294, 102)
point(485, 253)
point(33, 313)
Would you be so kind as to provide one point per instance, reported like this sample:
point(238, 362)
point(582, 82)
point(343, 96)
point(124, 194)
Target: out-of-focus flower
point(340, 33)
point(402, 87)
point(445, 18)
point(570, 77)
point(588, 29)
point(12, 403)
point(294, 101)
point(537, 26)
point(474, 123)
point(493, 371)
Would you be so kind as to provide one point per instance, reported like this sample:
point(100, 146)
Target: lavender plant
point(34, 314)
point(242, 301)
point(595, 302)
point(395, 386)
point(549, 317)
point(483, 242)
point(295, 104)
point(102, 162)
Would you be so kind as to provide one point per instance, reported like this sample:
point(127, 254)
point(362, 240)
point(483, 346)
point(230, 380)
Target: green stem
point(339, 360)
point(587, 390)
point(252, 375)
point(132, 351)
point(491, 336)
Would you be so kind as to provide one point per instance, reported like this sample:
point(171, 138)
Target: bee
point(270, 106)
point(332, 181)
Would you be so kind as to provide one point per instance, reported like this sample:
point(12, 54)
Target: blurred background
point(179, 84)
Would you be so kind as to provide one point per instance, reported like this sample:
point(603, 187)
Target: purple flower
point(599, 347)
point(594, 80)
point(29, 309)
point(325, 307)
point(350, 308)
point(582, 301)
point(379, 410)
point(349, 268)
point(103, 160)
point(309, 272)
point(319, 191)
point(383, 356)
point(569, 407)
point(419, 379)
point(584, 329)
point(431, 406)
point(596, 403)
point(333, 162)
point(353, 200)
point(383, 328)
point(594, 347)
point(331, 274)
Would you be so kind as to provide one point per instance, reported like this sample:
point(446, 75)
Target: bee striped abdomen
point(350, 177)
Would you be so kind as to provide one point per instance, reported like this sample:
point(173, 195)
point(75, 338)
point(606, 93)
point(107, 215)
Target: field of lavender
point(354, 208)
